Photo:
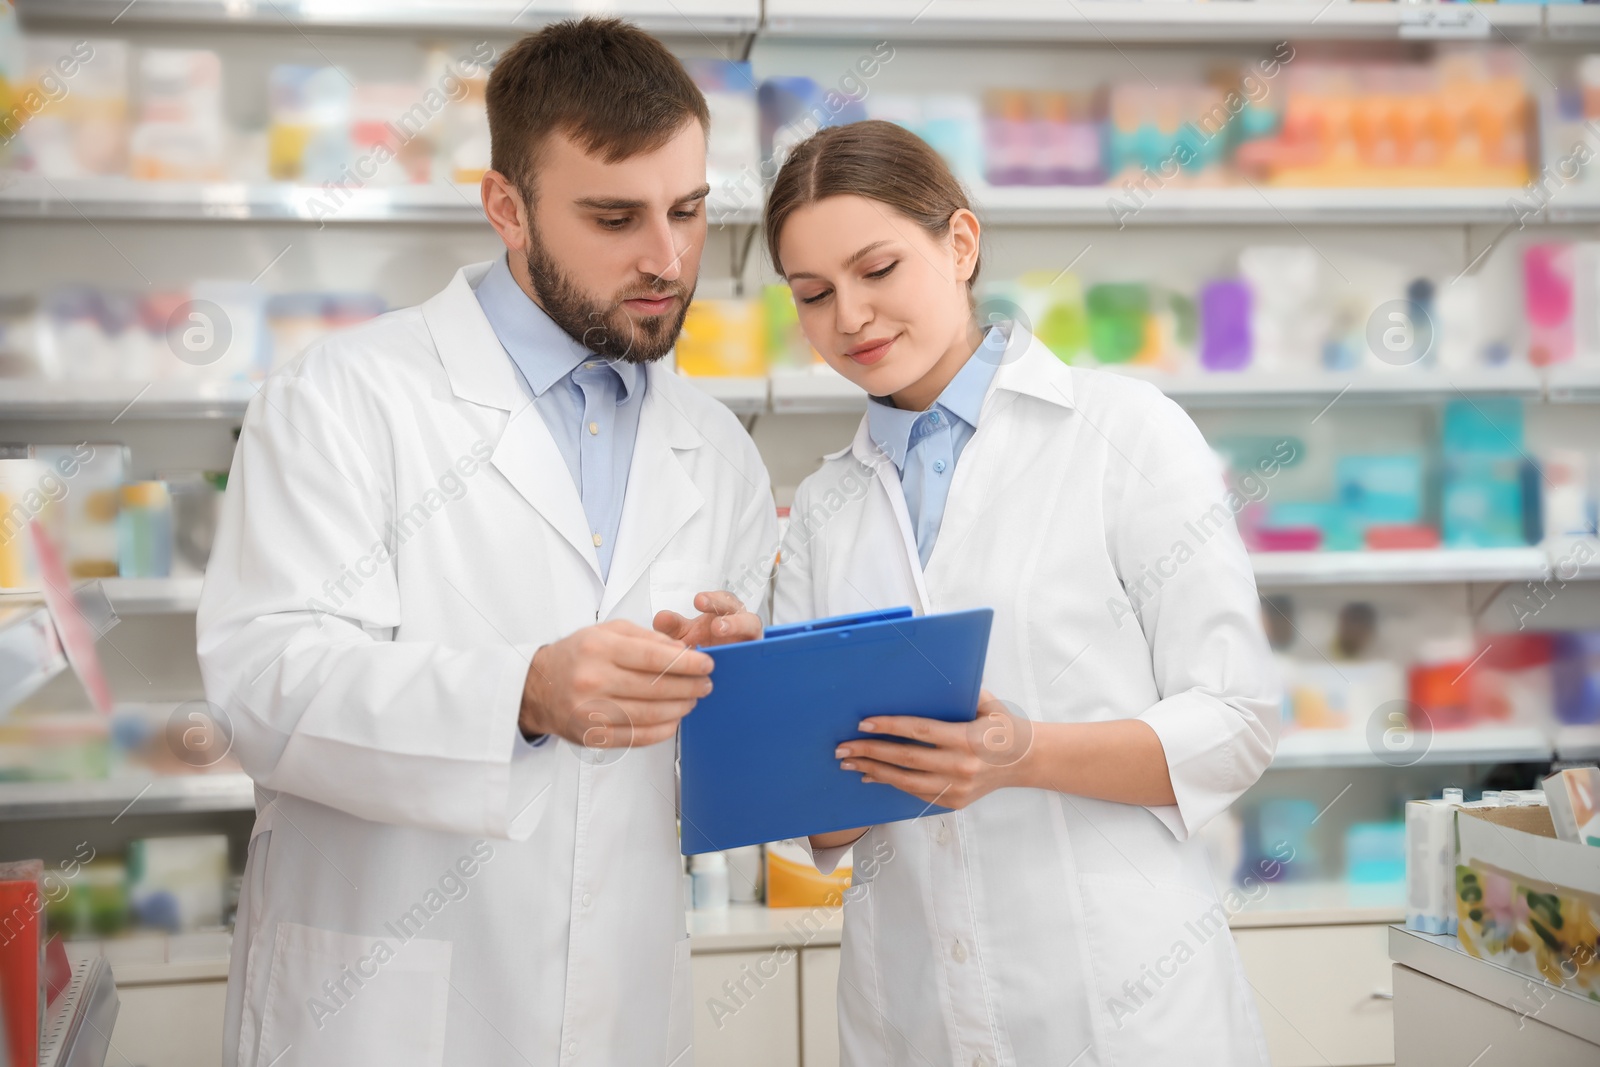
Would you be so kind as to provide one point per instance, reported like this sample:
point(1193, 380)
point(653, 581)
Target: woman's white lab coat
point(400, 533)
point(1034, 927)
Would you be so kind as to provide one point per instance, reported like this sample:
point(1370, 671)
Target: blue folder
point(756, 755)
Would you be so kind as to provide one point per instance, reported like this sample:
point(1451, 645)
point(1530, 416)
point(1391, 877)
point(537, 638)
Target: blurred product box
point(1527, 900)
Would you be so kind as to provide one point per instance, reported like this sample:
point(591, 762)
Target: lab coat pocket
point(1166, 973)
point(675, 582)
point(680, 1015)
point(337, 999)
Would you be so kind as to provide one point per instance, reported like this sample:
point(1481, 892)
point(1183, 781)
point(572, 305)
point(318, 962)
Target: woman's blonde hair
point(873, 159)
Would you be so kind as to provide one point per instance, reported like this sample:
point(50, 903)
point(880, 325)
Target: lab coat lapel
point(481, 373)
point(993, 460)
point(661, 496)
point(888, 477)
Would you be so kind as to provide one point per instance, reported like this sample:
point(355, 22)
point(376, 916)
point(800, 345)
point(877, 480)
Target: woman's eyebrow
point(856, 257)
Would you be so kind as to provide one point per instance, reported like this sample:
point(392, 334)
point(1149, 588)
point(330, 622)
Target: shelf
point(77, 1027)
point(1442, 957)
point(1404, 385)
point(1322, 904)
point(743, 396)
point(30, 652)
point(686, 18)
point(1573, 383)
point(34, 399)
point(822, 391)
point(136, 795)
point(1400, 567)
point(1103, 21)
point(1265, 205)
point(1347, 748)
point(154, 596)
point(127, 200)
point(1574, 22)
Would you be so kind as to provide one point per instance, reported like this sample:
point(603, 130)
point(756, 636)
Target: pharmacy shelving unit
point(1325, 1014)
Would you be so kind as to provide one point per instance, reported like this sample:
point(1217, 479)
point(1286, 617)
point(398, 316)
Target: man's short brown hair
point(608, 85)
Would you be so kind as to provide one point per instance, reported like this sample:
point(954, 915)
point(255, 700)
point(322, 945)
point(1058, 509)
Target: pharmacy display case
point(1167, 191)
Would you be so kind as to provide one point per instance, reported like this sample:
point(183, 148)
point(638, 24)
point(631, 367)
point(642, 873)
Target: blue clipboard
point(756, 755)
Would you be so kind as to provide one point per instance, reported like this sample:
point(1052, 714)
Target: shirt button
point(594, 427)
point(597, 540)
point(587, 899)
point(933, 417)
point(938, 466)
point(958, 953)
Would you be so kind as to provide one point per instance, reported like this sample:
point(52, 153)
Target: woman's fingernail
point(867, 725)
point(869, 779)
point(841, 752)
point(848, 765)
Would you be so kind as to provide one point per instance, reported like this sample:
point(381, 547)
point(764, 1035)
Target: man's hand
point(723, 620)
point(614, 685)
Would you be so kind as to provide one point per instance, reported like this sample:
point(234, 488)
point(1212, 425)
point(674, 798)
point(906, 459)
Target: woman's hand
point(966, 760)
point(723, 621)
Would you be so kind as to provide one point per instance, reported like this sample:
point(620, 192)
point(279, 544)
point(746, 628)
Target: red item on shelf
point(22, 959)
point(1288, 539)
point(1441, 686)
point(1401, 536)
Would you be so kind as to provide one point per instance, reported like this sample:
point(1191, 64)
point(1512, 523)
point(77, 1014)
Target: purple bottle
point(1225, 325)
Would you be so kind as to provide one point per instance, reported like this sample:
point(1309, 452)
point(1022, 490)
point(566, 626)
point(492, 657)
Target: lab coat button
point(943, 834)
point(586, 899)
point(958, 953)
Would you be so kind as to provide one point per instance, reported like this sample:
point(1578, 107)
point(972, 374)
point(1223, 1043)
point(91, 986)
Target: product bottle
point(709, 874)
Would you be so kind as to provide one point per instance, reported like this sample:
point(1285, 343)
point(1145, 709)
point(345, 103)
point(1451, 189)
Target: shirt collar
point(891, 427)
point(543, 352)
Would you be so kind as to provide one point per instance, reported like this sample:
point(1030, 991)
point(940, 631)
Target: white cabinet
point(1323, 993)
point(819, 1007)
point(746, 1008)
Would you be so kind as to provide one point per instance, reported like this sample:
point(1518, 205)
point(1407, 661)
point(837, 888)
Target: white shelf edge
point(1404, 566)
point(154, 596)
point(1113, 206)
point(1344, 748)
point(1098, 20)
point(160, 795)
point(687, 18)
point(131, 200)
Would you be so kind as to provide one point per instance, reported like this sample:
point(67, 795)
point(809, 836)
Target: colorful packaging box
point(1527, 900)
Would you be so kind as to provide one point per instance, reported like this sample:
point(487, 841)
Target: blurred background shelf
point(153, 596)
point(1401, 566)
point(1480, 744)
point(1322, 903)
point(743, 396)
point(122, 401)
point(138, 795)
point(30, 652)
point(667, 17)
point(1111, 205)
point(1100, 21)
point(128, 200)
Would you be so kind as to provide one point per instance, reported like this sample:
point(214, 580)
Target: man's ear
point(503, 205)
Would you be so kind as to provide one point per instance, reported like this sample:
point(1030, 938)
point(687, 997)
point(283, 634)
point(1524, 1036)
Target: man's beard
point(606, 329)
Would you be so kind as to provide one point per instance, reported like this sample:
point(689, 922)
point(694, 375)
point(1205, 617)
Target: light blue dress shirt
point(590, 404)
point(925, 445)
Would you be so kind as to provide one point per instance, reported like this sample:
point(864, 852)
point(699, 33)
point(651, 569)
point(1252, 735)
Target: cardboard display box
point(1527, 900)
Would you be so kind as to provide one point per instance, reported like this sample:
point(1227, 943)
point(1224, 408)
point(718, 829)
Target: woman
point(1064, 911)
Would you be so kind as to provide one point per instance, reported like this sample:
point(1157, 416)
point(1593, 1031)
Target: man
point(427, 617)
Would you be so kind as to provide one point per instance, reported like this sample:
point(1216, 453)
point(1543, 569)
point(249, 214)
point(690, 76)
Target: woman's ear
point(964, 240)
